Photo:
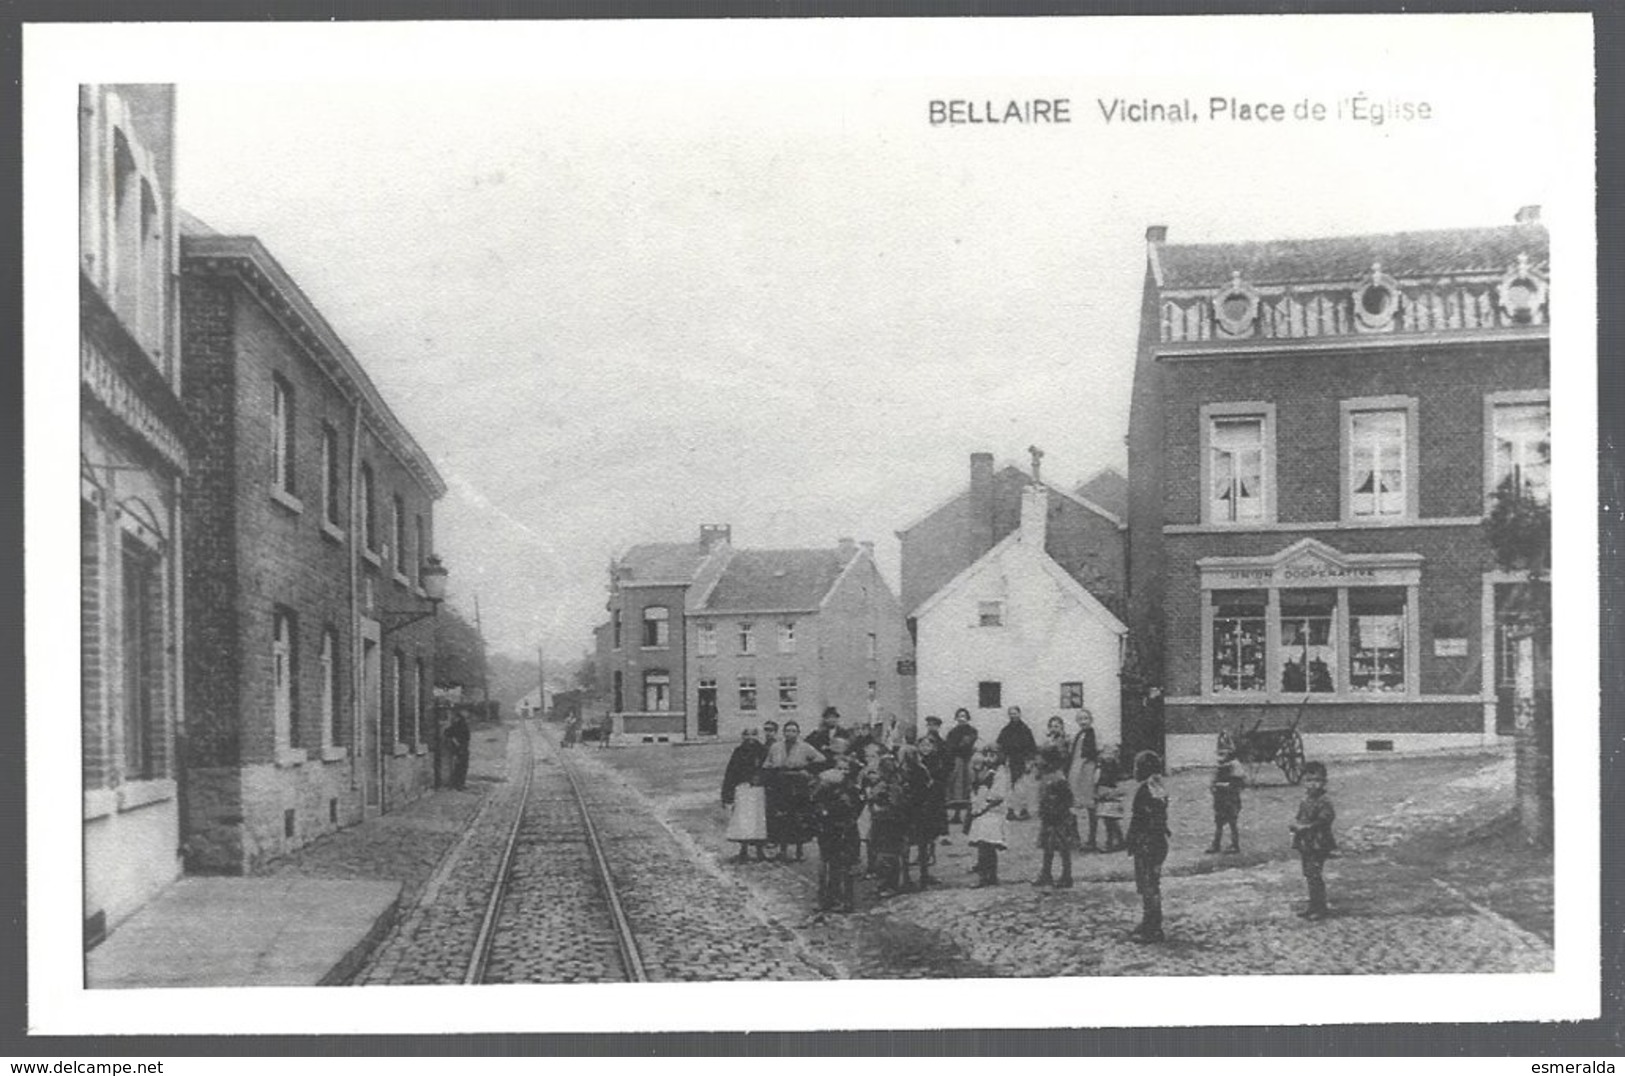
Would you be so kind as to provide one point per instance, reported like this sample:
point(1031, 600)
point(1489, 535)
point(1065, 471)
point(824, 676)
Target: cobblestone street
point(699, 916)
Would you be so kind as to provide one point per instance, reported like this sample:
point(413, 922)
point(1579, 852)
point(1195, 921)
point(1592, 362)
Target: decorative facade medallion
point(1235, 308)
point(1521, 293)
point(1376, 300)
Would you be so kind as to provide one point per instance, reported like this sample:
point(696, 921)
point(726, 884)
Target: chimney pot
point(847, 546)
point(1529, 214)
point(1157, 233)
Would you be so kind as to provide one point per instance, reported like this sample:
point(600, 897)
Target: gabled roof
point(1063, 582)
point(775, 580)
point(1108, 489)
point(1012, 473)
point(661, 563)
point(1403, 255)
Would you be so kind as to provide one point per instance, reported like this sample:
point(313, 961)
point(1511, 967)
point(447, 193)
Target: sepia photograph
point(1060, 506)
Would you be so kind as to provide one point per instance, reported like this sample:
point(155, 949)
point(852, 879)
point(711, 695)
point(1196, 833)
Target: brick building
point(309, 537)
point(704, 639)
point(1315, 428)
point(643, 649)
point(134, 443)
point(783, 633)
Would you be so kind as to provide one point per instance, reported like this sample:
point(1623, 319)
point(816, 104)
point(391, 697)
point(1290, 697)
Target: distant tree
point(460, 656)
point(511, 679)
point(587, 678)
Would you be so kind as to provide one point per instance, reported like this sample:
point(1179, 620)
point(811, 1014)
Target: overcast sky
point(612, 309)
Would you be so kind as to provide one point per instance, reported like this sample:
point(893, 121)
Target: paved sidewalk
point(310, 919)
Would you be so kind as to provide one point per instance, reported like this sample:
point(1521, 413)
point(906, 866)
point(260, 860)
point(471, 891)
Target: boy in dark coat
point(1147, 842)
point(888, 825)
point(924, 811)
point(836, 803)
point(1057, 826)
point(1312, 836)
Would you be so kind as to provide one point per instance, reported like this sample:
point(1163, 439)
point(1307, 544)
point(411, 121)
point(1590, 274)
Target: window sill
point(1342, 698)
point(335, 753)
point(401, 580)
point(291, 756)
point(332, 533)
point(100, 802)
point(655, 648)
point(420, 749)
point(371, 558)
point(288, 501)
point(136, 794)
point(398, 749)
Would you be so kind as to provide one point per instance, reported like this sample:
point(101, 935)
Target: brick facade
point(279, 592)
point(1443, 354)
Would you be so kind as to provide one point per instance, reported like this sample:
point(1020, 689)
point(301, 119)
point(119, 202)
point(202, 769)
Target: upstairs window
point(1072, 694)
point(369, 518)
point(283, 634)
point(397, 511)
point(615, 631)
point(1521, 446)
point(1236, 469)
point(656, 626)
point(747, 638)
point(787, 637)
point(874, 647)
point(1379, 452)
point(989, 695)
point(421, 547)
point(331, 485)
point(990, 614)
point(705, 643)
point(282, 434)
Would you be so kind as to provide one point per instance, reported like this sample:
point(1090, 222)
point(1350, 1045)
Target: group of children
point(878, 805)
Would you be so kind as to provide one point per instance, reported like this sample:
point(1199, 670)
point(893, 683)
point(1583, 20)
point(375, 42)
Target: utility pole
point(541, 683)
point(485, 678)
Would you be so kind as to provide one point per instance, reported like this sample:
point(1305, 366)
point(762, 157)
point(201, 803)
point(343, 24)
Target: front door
point(708, 708)
point(371, 762)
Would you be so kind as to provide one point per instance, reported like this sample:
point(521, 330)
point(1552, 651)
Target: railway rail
point(537, 833)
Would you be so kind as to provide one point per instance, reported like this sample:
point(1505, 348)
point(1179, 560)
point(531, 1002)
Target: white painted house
point(1015, 629)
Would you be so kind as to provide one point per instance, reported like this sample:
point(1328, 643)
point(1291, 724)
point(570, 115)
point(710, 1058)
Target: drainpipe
point(357, 674)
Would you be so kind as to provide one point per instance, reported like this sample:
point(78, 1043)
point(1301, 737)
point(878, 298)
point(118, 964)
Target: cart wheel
point(1292, 758)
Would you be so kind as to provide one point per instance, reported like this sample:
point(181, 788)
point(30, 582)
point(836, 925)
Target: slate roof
point(1108, 489)
point(776, 579)
point(1403, 255)
point(662, 562)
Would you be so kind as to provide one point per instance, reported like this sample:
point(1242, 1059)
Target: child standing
point(1312, 837)
point(1057, 828)
point(1226, 787)
point(888, 825)
point(923, 812)
point(1148, 843)
point(1109, 798)
point(990, 789)
point(835, 804)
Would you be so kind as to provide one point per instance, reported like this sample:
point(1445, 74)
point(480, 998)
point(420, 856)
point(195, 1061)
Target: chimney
point(1157, 233)
point(715, 534)
point(980, 533)
point(1529, 214)
point(1034, 515)
point(847, 548)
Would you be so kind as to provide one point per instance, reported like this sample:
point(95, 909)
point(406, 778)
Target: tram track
point(543, 921)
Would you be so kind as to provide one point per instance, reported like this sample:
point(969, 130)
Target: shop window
point(1237, 466)
point(1308, 653)
point(989, 695)
point(787, 693)
point(656, 626)
point(706, 640)
point(1377, 631)
point(747, 693)
point(1238, 640)
point(1072, 695)
point(1522, 449)
point(656, 691)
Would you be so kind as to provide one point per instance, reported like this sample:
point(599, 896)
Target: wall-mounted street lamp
point(432, 577)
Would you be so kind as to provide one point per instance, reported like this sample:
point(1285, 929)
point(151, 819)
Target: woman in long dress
point(1085, 769)
point(961, 746)
point(744, 797)
point(991, 781)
